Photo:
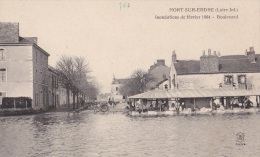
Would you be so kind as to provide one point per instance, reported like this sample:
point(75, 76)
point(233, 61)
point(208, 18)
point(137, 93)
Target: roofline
point(219, 73)
point(53, 70)
point(24, 44)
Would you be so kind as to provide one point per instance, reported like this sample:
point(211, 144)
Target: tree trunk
point(77, 100)
point(73, 100)
point(68, 98)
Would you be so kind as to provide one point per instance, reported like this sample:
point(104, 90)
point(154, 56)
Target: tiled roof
point(227, 64)
point(187, 67)
point(159, 73)
point(52, 69)
point(195, 93)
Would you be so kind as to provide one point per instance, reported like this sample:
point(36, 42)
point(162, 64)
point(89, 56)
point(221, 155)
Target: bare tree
point(65, 68)
point(81, 77)
point(74, 77)
point(137, 83)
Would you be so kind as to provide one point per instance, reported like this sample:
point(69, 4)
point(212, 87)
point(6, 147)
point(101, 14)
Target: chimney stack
point(251, 49)
point(209, 63)
point(251, 54)
point(203, 54)
point(160, 62)
point(9, 32)
point(209, 52)
point(174, 57)
point(219, 54)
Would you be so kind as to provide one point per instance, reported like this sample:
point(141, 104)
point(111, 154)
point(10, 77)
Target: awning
point(152, 94)
point(195, 93)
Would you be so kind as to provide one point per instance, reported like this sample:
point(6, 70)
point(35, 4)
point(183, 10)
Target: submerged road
point(117, 134)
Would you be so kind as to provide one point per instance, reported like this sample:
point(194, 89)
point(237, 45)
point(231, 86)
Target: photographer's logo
point(240, 138)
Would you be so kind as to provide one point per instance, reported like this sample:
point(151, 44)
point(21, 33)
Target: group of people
point(244, 104)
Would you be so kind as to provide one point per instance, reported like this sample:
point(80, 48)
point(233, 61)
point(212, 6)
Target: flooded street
point(116, 134)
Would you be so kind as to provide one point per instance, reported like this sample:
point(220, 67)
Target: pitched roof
point(28, 40)
point(187, 67)
point(52, 69)
point(195, 93)
point(227, 64)
point(120, 81)
point(160, 73)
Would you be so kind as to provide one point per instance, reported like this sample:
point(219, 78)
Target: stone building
point(161, 74)
point(234, 72)
point(23, 67)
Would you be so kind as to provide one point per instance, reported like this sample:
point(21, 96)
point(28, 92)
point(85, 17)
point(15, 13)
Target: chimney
point(32, 39)
point(160, 62)
point(174, 57)
point(219, 54)
point(9, 32)
point(251, 55)
point(215, 53)
point(203, 54)
point(251, 49)
point(209, 63)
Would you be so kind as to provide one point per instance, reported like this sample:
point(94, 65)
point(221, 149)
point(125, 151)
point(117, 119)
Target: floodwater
point(116, 134)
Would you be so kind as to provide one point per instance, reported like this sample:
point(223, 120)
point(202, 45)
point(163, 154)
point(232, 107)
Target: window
point(241, 79)
point(2, 54)
point(116, 88)
point(166, 86)
point(2, 75)
point(2, 95)
point(228, 79)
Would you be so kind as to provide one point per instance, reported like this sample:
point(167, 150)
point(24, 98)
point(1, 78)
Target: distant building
point(23, 66)
point(115, 89)
point(103, 97)
point(161, 74)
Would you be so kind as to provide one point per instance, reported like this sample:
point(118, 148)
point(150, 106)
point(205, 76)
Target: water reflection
point(116, 134)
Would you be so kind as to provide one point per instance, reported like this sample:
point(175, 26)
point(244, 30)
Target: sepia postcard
point(115, 78)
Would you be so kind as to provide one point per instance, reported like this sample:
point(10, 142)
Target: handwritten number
point(124, 5)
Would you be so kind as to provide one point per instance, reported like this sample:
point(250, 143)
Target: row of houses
point(25, 72)
point(211, 71)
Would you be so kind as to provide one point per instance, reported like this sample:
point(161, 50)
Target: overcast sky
point(117, 42)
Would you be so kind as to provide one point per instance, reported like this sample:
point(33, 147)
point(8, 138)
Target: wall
point(214, 80)
point(40, 78)
point(172, 76)
point(115, 94)
point(53, 88)
point(18, 64)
